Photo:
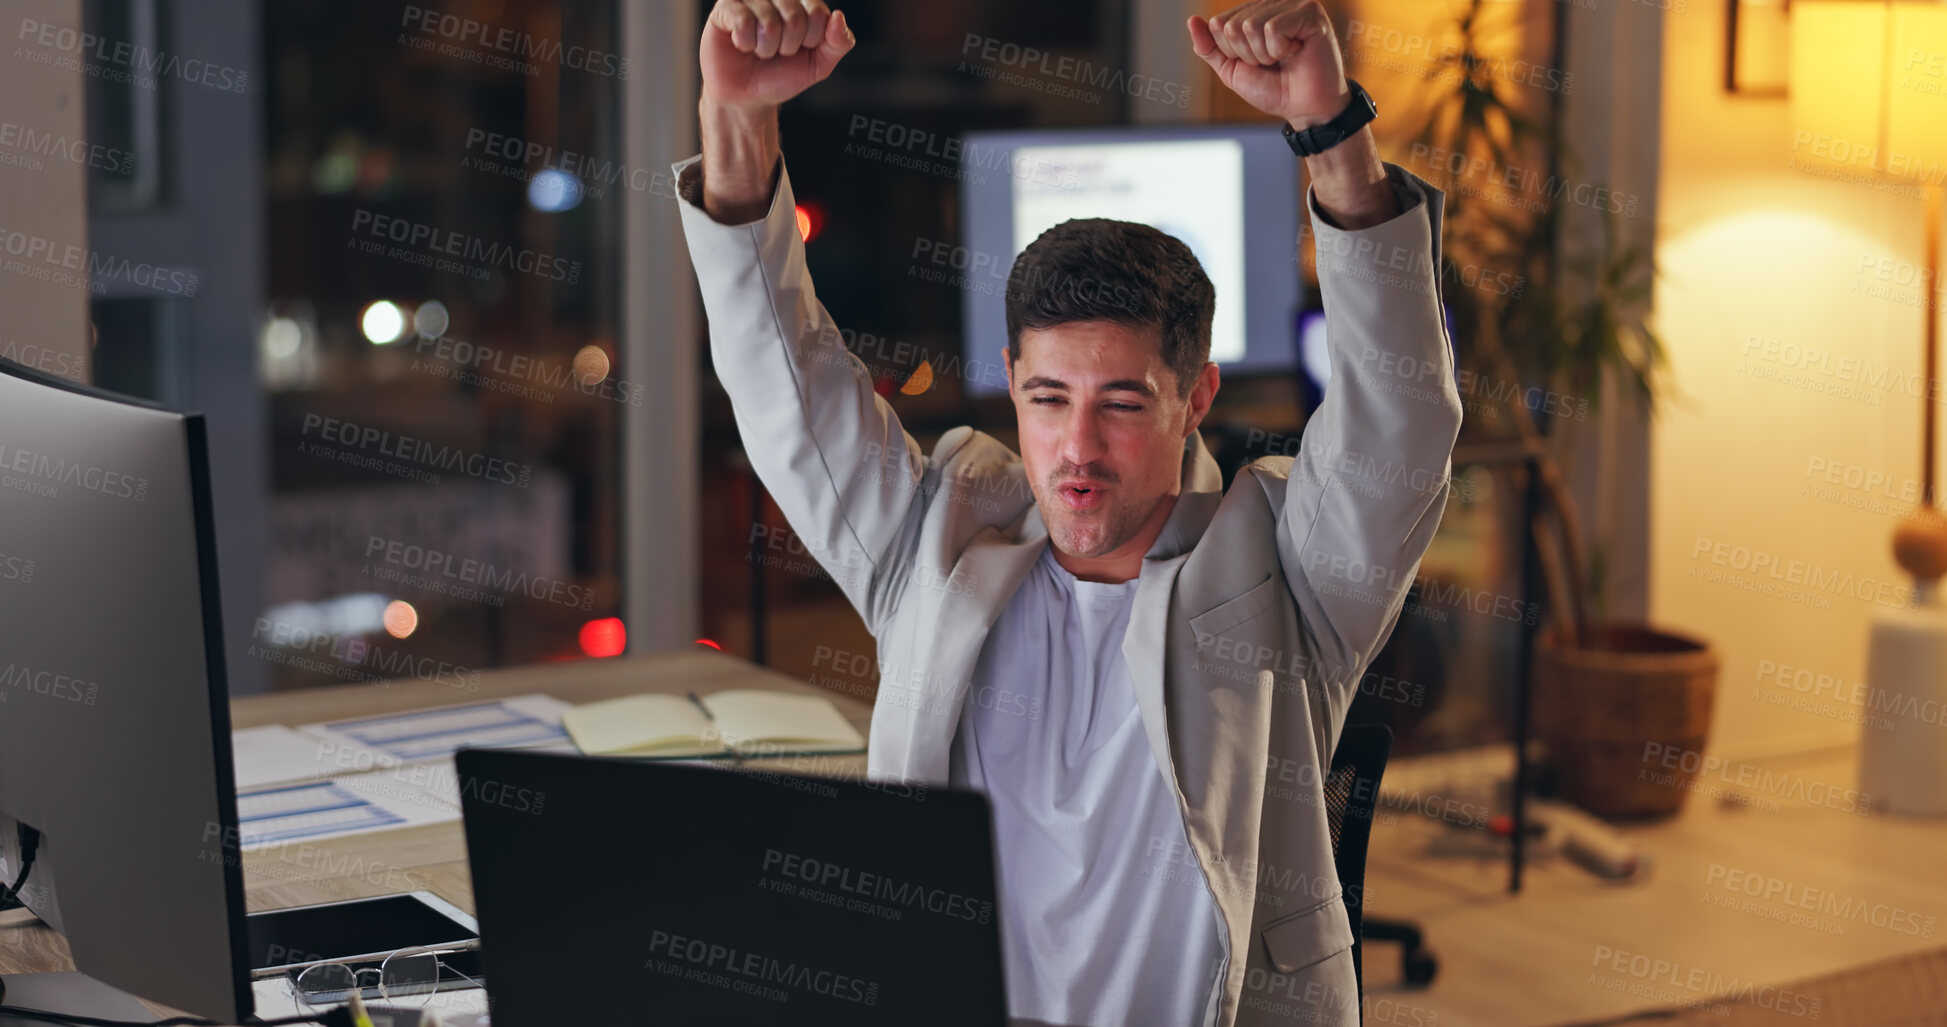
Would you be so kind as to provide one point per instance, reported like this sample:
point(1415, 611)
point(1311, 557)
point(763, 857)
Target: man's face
point(1098, 408)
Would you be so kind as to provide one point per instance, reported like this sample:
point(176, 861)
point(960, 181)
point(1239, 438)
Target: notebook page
point(642, 724)
point(754, 720)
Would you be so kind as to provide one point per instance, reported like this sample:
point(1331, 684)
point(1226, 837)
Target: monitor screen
point(1230, 193)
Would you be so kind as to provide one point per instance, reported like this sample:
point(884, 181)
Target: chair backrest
point(1351, 793)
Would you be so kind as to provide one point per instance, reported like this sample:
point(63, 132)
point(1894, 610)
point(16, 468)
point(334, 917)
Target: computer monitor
point(114, 710)
point(1230, 192)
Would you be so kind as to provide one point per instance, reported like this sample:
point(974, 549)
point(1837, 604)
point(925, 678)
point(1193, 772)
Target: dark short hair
point(1095, 269)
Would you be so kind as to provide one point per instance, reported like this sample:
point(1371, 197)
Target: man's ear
point(1007, 361)
point(1202, 395)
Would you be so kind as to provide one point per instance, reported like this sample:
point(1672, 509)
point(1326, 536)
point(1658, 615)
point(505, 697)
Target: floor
point(1767, 891)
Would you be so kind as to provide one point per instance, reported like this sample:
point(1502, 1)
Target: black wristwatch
point(1319, 138)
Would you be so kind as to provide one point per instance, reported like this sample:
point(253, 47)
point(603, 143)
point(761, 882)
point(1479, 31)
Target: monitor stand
point(71, 992)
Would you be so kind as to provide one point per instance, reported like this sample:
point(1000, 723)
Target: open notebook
point(741, 722)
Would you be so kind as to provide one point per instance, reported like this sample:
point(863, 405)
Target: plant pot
point(1604, 711)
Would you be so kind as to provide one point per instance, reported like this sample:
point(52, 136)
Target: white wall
point(1750, 246)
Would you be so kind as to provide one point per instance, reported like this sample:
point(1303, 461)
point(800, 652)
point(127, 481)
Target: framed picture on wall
point(1757, 47)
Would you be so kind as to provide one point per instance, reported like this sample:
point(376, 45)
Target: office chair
point(1416, 961)
point(1351, 794)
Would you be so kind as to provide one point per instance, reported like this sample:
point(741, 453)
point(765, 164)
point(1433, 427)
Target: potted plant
point(1606, 691)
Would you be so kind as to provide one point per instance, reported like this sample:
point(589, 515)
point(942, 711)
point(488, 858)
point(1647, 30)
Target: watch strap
point(1359, 111)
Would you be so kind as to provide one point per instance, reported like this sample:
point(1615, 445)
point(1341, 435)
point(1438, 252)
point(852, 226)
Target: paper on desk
point(368, 743)
point(307, 811)
point(461, 1008)
point(272, 753)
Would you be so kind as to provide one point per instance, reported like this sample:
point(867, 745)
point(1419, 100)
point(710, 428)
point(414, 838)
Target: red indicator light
point(605, 637)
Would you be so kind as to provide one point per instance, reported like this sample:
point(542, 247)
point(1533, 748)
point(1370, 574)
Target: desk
point(433, 857)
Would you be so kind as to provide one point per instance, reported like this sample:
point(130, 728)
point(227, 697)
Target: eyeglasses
point(408, 977)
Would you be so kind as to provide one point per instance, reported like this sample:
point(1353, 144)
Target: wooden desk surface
point(433, 857)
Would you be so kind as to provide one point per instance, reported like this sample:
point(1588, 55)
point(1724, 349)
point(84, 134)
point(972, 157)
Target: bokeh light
point(553, 190)
point(383, 322)
point(401, 620)
point(431, 319)
point(591, 365)
point(605, 637)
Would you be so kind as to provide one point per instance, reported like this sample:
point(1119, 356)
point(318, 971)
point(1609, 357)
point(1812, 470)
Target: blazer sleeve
point(1369, 483)
point(829, 449)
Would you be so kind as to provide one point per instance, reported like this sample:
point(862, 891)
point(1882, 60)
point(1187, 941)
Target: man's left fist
point(1279, 55)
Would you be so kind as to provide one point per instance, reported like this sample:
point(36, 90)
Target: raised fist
point(760, 53)
point(1279, 55)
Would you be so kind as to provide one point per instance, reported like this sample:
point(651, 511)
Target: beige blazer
point(1256, 612)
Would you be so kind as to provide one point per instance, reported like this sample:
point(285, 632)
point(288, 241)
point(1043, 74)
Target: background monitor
point(114, 714)
point(1230, 192)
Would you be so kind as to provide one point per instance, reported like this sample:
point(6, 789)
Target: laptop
point(621, 892)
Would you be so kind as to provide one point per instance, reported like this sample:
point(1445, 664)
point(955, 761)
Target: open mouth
point(1083, 497)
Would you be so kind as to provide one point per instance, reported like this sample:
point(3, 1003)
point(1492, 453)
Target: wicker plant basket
point(1602, 711)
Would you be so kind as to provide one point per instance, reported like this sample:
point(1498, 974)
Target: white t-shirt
point(1105, 917)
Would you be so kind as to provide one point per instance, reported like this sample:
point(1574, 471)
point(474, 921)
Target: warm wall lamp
point(1869, 92)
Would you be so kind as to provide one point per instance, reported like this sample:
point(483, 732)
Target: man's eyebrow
point(1135, 385)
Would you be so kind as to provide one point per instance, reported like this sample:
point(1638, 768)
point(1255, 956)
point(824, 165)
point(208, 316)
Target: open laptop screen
point(611, 891)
